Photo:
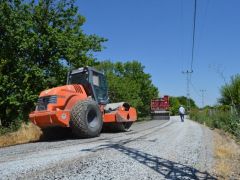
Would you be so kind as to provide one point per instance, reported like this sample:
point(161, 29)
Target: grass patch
point(219, 119)
point(26, 133)
point(227, 156)
point(226, 150)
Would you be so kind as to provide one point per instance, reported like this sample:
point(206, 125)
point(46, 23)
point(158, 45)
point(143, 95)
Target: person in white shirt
point(181, 112)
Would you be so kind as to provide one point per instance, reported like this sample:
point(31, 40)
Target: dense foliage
point(218, 117)
point(230, 93)
point(128, 82)
point(227, 115)
point(38, 39)
point(175, 103)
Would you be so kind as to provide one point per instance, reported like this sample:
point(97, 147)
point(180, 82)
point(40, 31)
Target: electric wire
point(195, 89)
point(194, 32)
point(196, 92)
point(189, 72)
point(181, 26)
point(202, 26)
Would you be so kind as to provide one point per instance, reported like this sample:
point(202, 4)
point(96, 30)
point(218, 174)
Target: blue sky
point(158, 33)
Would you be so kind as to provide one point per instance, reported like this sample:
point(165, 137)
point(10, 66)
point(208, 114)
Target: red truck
point(160, 108)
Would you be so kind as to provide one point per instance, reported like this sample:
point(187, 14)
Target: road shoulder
point(226, 156)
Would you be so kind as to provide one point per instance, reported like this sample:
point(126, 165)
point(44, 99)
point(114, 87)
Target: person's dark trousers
point(182, 117)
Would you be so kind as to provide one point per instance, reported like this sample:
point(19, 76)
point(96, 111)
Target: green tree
point(183, 101)
point(230, 93)
point(221, 116)
point(174, 105)
point(38, 39)
point(128, 82)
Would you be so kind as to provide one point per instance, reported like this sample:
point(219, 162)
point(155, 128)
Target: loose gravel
point(151, 150)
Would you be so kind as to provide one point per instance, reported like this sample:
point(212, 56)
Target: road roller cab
point(82, 105)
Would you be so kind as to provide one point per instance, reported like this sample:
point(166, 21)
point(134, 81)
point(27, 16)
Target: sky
point(158, 33)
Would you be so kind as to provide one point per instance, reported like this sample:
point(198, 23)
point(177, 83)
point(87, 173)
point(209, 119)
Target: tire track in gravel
point(150, 155)
point(23, 149)
point(153, 150)
point(16, 157)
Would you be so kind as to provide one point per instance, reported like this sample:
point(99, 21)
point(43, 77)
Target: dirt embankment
point(227, 156)
point(27, 133)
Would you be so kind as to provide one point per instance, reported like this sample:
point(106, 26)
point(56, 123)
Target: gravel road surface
point(151, 150)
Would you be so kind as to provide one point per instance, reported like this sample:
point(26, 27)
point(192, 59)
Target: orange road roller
point(82, 105)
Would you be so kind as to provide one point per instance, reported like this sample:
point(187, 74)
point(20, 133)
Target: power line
point(195, 89)
point(189, 72)
point(194, 29)
point(181, 16)
point(188, 75)
point(202, 91)
point(202, 26)
point(200, 95)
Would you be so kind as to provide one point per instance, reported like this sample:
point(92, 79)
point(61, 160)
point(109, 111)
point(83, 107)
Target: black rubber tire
point(117, 127)
point(86, 119)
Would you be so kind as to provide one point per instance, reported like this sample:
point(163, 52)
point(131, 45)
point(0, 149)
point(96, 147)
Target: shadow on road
point(167, 168)
point(56, 134)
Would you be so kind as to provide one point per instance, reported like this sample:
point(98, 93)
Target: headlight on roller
point(44, 101)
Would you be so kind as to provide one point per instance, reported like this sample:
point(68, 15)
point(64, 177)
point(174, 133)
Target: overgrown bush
point(227, 115)
point(218, 118)
point(15, 125)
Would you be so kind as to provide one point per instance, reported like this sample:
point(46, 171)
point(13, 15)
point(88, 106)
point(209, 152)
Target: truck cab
point(93, 81)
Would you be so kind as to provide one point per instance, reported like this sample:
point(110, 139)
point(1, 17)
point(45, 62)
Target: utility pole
point(188, 73)
point(202, 91)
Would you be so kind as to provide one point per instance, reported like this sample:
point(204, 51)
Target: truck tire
point(86, 119)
